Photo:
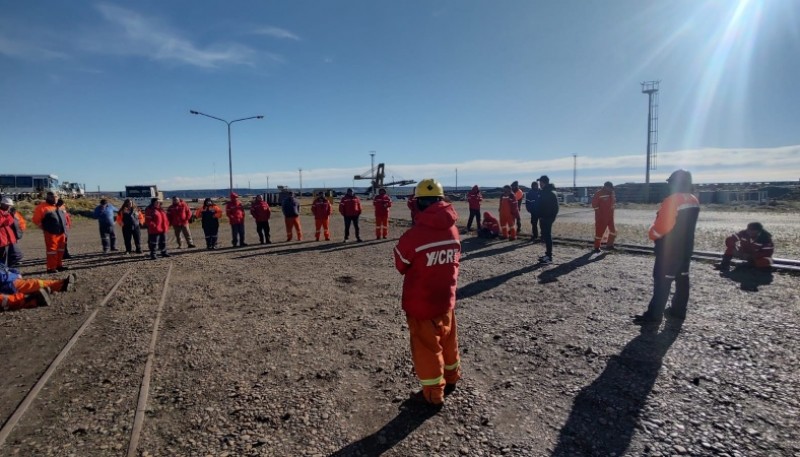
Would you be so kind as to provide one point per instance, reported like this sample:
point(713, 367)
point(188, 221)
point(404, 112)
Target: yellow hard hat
point(429, 188)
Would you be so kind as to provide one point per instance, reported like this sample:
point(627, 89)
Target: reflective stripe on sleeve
point(400, 256)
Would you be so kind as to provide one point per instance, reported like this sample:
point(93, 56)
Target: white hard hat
point(7, 201)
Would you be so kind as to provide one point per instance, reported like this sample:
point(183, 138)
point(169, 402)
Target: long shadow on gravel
point(412, 415)
point(553, 274)
point(482, 285)
point(468, 248)
point(605, 413)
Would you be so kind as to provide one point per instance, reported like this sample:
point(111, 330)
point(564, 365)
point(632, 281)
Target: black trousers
point(107, 237)
point(263, 231)
point(534, 226)
point(237, 234)
point(547, 234)
point(351, 220)
point(476, 215)
point(661, 289)
point(157, 240)
point(211, 232)
point(134, 233)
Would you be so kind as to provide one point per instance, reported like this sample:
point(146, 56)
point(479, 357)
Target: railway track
point(136, 427)
point(781, 265)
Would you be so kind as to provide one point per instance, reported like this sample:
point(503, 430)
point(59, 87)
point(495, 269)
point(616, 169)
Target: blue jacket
point(290, 207)
point(531, 199)
point(105, 214)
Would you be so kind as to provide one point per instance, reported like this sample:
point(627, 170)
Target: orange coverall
point(509, 213)
point(382, 204)
point(603, 203)
point(52, 220)
point(24, 287)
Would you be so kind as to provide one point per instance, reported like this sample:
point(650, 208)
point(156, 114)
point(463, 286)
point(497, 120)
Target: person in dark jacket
point(531, 200)
point(547, 210)
point(291, 215)
point(52, 219)
point(130, 218)
point(68, 218)
point(673, 234)
point(260, 211)
point(209, 215)
point(104, 213)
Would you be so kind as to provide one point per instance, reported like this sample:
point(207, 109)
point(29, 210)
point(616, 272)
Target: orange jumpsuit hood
point(439, 216)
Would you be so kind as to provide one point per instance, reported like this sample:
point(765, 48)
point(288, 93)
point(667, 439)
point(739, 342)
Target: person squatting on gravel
point(382, 203)
point(130, 218)
point(603, 202)
point(235, 212)
point(209, 215)
point(260, 211)
point(12, 228)
point(490, 228)
point(350, 208)
point(673, 234)
point(53, 222)
point(531, 200)
point(321, 209)
point(509, 214)
point(104, 213)
point(18, 293)
point(157, 225)
point(753, 245)
point(427, 255)
point(180, 215)
point(291, 216)
point(474, 198)
point(547, 210)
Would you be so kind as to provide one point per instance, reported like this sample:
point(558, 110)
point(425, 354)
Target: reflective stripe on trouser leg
point(434, 343)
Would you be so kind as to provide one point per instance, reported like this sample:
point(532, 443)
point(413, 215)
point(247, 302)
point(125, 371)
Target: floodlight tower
point(651, 89)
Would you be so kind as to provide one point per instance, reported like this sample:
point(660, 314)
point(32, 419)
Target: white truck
point(142, 194)
point(73, 189)
point(27, 187)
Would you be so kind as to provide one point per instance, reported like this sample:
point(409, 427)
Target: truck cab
point(142, 194)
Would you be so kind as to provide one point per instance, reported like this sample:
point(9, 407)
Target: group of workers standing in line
point(427, 254)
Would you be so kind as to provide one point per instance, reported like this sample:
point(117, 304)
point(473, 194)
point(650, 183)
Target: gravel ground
point(301, 349)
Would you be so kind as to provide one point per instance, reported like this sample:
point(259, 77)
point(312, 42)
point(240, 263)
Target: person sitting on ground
point(753, 245)
point(490, 227)
point(18, 293)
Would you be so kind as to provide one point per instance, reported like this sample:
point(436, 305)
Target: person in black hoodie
point(547, 210)
point(531, 200)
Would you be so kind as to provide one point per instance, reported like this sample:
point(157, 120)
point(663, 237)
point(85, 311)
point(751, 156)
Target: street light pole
point(230, 155)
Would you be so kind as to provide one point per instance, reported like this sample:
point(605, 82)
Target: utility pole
point(651, 89)
point(456, 180)
point(301, 181)
point(372, 171)
point(574, 170)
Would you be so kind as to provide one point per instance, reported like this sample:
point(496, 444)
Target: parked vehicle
point(142, 194)
point(27, 187)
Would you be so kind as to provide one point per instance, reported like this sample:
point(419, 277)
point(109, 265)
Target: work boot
point(165, 254)
point(62, 268)
point(646, 319)
point(725, 265)
point(69, 283)
point(672, 314)
point(191, 245)
point(152, 256)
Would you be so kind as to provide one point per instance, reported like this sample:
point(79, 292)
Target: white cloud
point(276, 32)
point(706, 165)
point(135, 34)
point(28, 49)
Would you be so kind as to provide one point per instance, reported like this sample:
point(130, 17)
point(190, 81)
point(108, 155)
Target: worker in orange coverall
point(322, 210)
point(490, 227)
point(603, 203)
point(18, 293)
point(382, 203)
point(53, 222)
point(428, 255)
point(509, 213)
point(753, 245)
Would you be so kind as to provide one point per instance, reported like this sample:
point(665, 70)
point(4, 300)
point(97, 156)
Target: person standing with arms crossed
point(427, 255)
point(382, 204)
point(53, 222)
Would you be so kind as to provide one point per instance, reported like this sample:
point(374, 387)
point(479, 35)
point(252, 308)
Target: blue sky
point(100, 92)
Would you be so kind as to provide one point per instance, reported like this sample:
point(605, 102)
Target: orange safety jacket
point(603, 203)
